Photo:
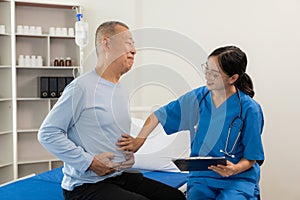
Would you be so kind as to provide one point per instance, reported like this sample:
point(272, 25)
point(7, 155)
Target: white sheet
point(159, 149)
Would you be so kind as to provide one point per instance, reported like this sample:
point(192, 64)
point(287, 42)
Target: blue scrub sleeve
point(180, 114)
point(252, 141)
point(170, 117)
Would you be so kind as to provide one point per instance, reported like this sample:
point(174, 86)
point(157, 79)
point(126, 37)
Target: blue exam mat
point(47, 185)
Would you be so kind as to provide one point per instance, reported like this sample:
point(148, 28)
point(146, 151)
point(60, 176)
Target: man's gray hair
point(107, 29)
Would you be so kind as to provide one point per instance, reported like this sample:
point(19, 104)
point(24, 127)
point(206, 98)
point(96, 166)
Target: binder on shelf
point(61, 83)
point(44, 87)
point(69, 79)
point(53, 87)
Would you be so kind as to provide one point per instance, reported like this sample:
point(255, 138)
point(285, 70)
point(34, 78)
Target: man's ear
point(233, 78)
point(105, 43)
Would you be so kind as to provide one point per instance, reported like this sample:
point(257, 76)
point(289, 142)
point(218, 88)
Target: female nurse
point(223, 120)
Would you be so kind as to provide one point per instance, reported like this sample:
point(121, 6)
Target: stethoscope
point(236, 121)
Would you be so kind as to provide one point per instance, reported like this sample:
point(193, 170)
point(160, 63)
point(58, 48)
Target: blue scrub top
point(212, 131)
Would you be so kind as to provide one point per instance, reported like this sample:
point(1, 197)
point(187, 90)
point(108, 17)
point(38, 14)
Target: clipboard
point(198, 163)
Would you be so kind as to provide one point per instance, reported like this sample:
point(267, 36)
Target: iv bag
point(81, 33)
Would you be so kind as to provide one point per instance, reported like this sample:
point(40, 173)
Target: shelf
point(6, 164)
point(5, 67)
point(52, 159)
point(56, 164)
point(5, 19)
point(5, 99)
point(37, 167)
point(6, 173)
point(35, 99)
point(51, 102)
point(27, 130)
point(43, 36)
point(30, 150)
point(5, 132)
point(32, 168)
point(5, 50)
point(6, 118)
point(28, 82)
point(64, 48)
point(48, 67)
point(4, 34)
point(62, 17)
point(30, 114)
point(6, 145)
point(61, 37)
point(29, 46)
point(44, 5)
point(31, 35)
point(5, 83)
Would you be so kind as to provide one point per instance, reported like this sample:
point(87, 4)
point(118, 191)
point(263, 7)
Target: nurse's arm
point(243, 165)
point(128, 143)
point(232, 169)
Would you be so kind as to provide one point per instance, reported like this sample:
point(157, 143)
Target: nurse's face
point(216, 79)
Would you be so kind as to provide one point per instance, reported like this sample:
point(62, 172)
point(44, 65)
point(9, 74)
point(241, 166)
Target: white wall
point(268, 31)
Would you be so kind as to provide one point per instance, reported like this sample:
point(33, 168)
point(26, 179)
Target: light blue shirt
point(88, 119)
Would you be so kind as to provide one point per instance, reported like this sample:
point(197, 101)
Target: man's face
point(122, 49)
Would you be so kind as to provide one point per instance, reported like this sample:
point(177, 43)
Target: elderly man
point(83, 127)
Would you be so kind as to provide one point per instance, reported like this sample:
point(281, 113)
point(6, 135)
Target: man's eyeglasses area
point(214, 74)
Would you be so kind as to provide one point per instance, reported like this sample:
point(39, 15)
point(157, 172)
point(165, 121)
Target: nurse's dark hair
point(106, 29)
point(233, 60)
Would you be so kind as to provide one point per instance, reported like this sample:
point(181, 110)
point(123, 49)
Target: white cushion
point(159, 148)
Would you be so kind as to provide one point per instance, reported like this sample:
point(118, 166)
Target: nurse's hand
point(128, 143)
point(232, 169)
point(225, 171)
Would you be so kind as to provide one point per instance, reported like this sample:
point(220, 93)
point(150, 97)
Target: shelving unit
point(22, 109)
point(6, 119)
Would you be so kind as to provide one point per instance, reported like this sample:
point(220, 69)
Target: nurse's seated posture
point(223, 120)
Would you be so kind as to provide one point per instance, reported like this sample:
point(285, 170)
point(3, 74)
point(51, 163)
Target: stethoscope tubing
point(225, 151)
